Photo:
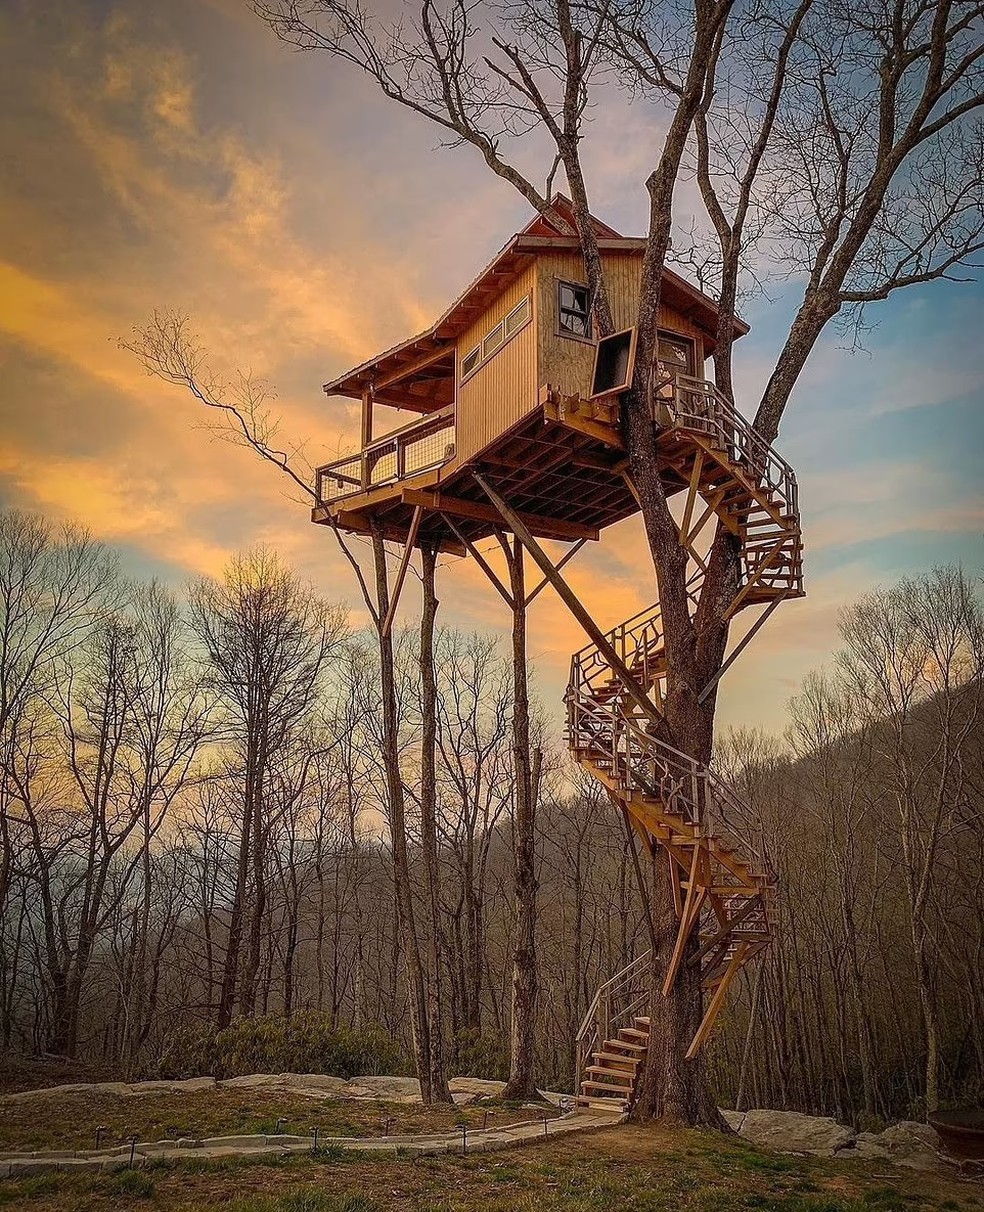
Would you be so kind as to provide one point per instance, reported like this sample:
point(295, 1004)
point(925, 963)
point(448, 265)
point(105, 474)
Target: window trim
point(559, 330)
point(503, 324)
point(681, 338)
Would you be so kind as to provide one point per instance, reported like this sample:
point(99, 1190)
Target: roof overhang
point(397, 376)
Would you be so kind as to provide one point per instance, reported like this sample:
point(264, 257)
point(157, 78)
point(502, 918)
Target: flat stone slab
point(393, 1089)
point(480, 1087)
point(791, 1132)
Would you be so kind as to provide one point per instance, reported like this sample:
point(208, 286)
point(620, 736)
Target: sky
point(175, 155)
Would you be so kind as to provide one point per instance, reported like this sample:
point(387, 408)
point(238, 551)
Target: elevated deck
point(563, 468)
point(564, 481)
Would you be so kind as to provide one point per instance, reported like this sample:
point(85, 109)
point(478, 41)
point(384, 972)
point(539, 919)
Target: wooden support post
point(740, 647)
point(366, 419)
point(688, 511)
point(480, 560)
point(418, 513)
point(569, 598)
point(704, 1030)
point(560, 564)
point(688, 919)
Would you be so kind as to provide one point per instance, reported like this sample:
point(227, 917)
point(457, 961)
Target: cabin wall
point(565, 362)
point(497, 395)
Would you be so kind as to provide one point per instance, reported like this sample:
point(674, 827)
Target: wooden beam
point(739, 649)
point(688, 919)
point(559, 565)
point(366, 420)
point(350, 520)
point(704, 1030)
point(414, 366)
point(570, 600)
point(688, 511)
point(401, 574)
point(475, 511)
point(481, 561)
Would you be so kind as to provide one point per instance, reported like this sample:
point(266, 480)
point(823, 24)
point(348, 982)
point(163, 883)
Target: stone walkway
point(137, 1154)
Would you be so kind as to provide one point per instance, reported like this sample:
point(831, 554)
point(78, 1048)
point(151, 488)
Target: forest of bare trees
point(195, 838)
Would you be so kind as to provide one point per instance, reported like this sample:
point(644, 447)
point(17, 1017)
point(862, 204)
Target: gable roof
point(540, 235)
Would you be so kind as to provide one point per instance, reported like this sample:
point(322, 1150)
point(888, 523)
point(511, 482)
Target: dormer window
point(574, 310)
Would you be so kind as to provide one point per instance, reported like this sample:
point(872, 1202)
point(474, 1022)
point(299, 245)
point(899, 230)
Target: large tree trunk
point(407, 925)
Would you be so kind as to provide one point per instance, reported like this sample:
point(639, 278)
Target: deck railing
point(405, 452)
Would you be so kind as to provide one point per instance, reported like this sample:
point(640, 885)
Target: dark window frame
point(587, 315)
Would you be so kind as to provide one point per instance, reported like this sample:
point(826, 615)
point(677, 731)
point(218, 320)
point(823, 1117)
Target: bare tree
point(268, 640)
point(920, 648)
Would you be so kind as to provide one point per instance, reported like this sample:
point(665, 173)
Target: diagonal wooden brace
point(717, 1000)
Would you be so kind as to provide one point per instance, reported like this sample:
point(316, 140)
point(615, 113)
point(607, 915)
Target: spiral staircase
point(723, 888)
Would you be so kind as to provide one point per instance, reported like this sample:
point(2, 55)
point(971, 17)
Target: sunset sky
point(175, 155)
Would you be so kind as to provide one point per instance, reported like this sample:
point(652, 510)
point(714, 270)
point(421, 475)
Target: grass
point(70, 1121)
point(630, 1169)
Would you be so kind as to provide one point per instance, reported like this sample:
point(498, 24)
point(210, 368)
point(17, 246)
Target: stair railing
point(697, 405)
point(616, 1002)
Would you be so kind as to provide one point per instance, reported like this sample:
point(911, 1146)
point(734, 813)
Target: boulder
point(909, 1144)
point(252, 1081)
point(316, 1085)
point(791, 1132)
point(478, 1087)
point(734, 1119)
point(392, 1089)
point(190, 1086)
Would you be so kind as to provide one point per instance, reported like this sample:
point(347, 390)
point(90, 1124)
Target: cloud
point(177, 155)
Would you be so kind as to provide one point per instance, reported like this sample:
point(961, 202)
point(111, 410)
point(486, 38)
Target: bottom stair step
point(615, 1105)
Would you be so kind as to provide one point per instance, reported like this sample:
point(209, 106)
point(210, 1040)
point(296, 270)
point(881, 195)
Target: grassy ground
point(624, 1169)
point(70, 1121)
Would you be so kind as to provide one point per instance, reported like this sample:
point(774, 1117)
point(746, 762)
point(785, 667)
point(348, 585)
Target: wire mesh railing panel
point(430, 448)
point(417, 448)
point(339, 479)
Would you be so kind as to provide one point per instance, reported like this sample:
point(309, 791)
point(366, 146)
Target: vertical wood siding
point(566, 363)
point(505, 388)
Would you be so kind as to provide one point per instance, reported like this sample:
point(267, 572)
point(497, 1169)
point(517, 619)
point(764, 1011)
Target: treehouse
point(516, 432)
point(503, 381)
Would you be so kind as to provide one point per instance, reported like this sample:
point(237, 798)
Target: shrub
point(307, 1042)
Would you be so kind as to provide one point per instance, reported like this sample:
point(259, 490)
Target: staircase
point(723, 888)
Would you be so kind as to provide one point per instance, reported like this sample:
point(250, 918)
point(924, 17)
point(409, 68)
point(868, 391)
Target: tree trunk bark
point(524, 978)
point(407, 925)
point(439, 1091)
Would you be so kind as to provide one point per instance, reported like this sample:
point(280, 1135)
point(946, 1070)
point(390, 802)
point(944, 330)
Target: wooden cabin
point(501, 381)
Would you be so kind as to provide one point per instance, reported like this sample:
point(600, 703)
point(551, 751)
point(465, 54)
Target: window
point(676, 354)
point(574, 310)
point(496, 338)
point(492, 341)
point(471, 361)
point(518, 316)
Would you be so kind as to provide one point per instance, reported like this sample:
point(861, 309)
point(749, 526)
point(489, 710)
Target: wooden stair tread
point(605, 1104)
point(614, 1056)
